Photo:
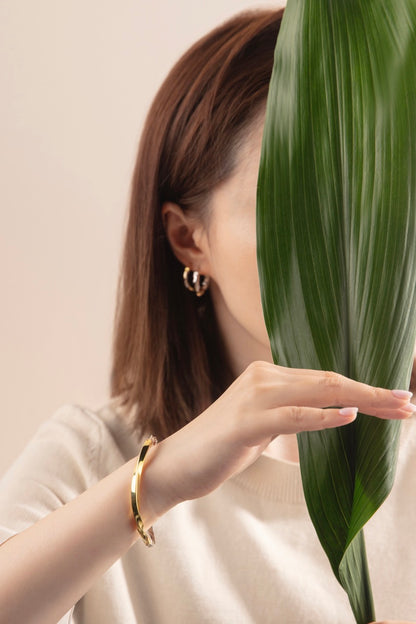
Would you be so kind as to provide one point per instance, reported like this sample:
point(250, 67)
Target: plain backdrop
point(76, 80)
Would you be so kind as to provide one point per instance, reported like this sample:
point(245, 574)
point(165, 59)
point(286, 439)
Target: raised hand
point(264, 401)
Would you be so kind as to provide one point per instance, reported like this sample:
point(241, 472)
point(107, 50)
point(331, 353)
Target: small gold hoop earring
point(195, 282)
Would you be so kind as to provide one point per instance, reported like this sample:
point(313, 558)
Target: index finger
point(329, 389)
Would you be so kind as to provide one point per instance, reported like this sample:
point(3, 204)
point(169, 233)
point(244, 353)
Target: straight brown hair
point(169, 362)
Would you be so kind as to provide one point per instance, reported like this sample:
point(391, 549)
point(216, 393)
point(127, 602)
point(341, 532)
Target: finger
point(328, 389)
point(294, 419)
point(394, 414)
point(301, 374)
point(393, 622)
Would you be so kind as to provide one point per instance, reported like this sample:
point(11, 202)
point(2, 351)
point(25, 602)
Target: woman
point(192, 364)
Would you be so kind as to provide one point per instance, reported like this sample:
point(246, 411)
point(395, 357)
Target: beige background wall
point(76, 78)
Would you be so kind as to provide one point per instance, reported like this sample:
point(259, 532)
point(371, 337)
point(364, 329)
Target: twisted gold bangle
point(147, 536)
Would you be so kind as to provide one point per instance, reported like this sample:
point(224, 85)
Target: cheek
point(234, 263)
point(236, 274)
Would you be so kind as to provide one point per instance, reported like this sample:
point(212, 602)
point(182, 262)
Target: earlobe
point(182, 232)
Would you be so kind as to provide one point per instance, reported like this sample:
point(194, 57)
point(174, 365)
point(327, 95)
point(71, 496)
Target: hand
point(263, 402)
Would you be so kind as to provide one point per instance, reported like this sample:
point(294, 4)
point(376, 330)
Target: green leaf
point(336, 230)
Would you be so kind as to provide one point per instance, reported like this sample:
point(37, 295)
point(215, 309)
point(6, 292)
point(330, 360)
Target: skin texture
point(73, 546)
point(224, 248)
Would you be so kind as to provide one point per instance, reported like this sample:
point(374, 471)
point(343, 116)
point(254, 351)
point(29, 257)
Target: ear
point(187, 238)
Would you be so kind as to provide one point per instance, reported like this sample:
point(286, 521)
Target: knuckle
point(255, 367)
point(322, 418)
point(296, 414)
point(332, 379)
point(319, 421)
point(254, 375)
point(378, 395)
point(332, 382)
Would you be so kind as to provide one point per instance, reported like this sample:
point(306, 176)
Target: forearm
point(50, 566)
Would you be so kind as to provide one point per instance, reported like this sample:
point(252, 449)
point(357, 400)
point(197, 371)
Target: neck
point(242, 349)
point(241, 346)
point(284, 447)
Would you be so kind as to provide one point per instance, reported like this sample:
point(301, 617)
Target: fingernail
point(348, 411)
point(402, 394)
point(408, 408)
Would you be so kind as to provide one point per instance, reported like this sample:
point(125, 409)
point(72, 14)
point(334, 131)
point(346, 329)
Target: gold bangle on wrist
point(147, 536)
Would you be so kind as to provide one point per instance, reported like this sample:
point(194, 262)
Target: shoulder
point(101, 439)
point(78, 436)
point(71, 451)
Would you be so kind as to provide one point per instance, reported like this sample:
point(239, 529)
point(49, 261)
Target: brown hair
point(169, 362)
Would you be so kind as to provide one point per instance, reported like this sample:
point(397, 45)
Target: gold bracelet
point(147, 536)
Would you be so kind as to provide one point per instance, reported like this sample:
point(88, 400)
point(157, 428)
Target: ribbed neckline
point(281, 481)
point(273, 479)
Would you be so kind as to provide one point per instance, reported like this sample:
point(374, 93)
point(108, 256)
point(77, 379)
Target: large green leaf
point(336, 228)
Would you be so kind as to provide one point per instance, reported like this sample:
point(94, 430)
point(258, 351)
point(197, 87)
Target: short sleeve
point(58, 464)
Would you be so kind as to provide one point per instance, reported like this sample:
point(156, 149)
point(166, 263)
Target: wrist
point(156, 496)
point(151, 505)
point(146, 533)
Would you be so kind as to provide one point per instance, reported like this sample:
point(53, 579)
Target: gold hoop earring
point(195, 282)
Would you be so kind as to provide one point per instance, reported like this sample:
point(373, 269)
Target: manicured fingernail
point(348, 411)
point(408, 408)
point(402, 394)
